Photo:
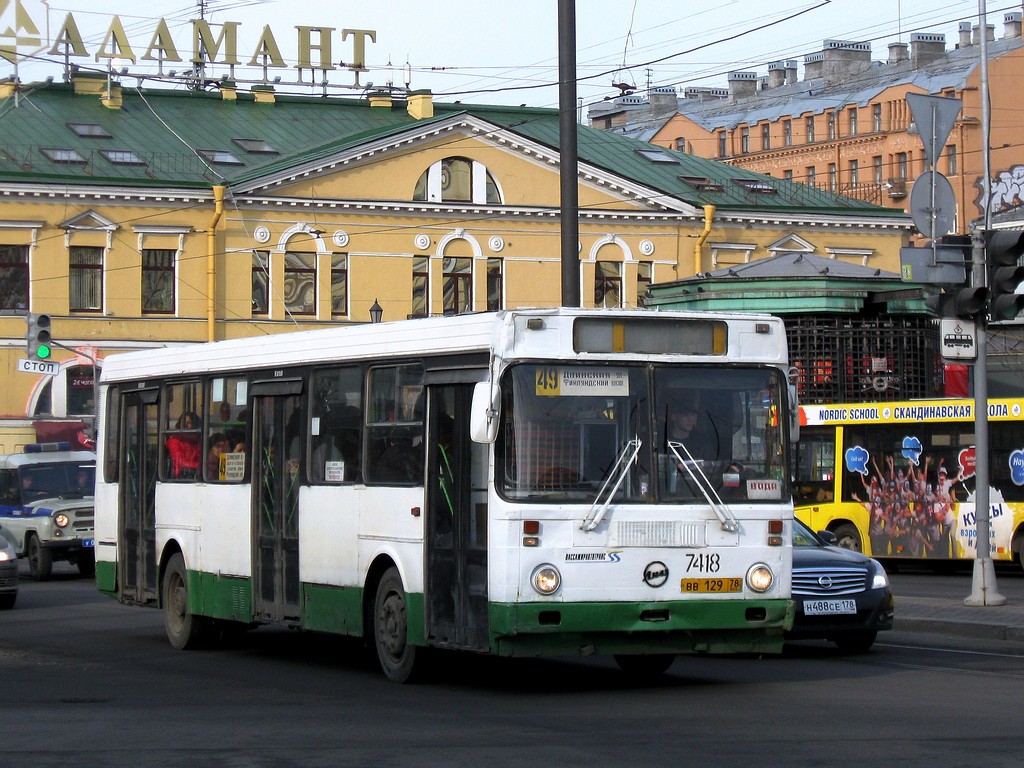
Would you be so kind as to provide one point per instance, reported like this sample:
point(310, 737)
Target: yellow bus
point(897, 480)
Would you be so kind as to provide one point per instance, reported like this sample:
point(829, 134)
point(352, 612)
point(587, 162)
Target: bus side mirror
point(483, 413)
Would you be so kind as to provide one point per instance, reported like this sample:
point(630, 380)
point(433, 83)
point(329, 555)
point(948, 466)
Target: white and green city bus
point(501, 483)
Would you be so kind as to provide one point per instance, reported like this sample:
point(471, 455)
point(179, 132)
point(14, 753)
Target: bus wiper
point(696, 472)
point(625, 460)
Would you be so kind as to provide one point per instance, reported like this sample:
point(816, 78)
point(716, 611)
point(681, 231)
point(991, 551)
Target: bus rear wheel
point(185, 630)
point(848, 537)
point(396, 655)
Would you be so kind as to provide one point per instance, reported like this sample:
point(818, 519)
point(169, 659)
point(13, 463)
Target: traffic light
point(961, 299)
point(958, 301)
point(1003, 249)
point(37, 336)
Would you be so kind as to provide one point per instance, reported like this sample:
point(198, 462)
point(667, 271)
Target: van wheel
point(40, 559)
point(391, 629)
point(86, 564)
point(848, 537)
point(185, 630)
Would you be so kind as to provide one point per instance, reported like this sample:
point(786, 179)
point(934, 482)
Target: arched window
point(457, 180)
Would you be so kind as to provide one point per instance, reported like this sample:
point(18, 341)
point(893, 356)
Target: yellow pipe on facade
point(709, 218)
point(211, 263)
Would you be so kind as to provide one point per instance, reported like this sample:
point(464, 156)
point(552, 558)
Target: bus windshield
point(567, 433)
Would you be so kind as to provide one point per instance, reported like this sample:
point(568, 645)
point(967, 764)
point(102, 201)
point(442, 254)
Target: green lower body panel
point(332, 609)
point(106, 577)
point(697, 626)
point(220, 597)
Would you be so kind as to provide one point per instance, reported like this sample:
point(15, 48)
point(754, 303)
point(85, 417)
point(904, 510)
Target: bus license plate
point(712, 585)
point(829, 607)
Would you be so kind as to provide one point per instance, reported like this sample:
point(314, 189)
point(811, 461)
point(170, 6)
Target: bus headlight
point(760, 577)
point(546, 579)
point(61, 520)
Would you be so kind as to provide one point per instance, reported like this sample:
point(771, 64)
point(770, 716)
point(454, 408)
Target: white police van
point(46, 506)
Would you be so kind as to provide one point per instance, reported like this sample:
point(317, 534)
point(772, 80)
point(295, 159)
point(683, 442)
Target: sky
point(506, 52)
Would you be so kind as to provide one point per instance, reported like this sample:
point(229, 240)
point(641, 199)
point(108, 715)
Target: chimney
point(1011, 24)
point(844, 59)
point(813, 63)
point(228, 90)
point(926, 47)
point(965, 34)
point(990, 33)
point(790, 71)
point(420, 104)
point(776, 74)
point(663, 100)
point(263, 94)
point(898, 52)
point(742, 84)
point(380, 99)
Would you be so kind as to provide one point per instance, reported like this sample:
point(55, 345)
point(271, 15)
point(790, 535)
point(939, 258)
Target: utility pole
point(983, 584)
point(568, 157)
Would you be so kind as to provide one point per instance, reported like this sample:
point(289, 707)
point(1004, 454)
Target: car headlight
point(61, 520)
point(760, 577)
point(6, 554)
point(879, 579)
point(546, 579)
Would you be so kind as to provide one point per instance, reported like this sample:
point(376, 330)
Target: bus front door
point(277, 441)
point(456, 580)
point(137, 497)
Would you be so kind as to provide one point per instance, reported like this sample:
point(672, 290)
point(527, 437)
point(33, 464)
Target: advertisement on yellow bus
point(897, 480)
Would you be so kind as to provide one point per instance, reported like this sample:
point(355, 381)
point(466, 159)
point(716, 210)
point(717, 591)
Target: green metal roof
point(163, 127)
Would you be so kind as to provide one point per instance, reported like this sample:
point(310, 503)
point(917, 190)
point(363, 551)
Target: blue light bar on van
point(47, 447)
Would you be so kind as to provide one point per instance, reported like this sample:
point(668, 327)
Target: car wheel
point(40, 560)
point(856, 642)
point(645, 666)
point(848, 537)
point(7, 601)
point(185, 630)
point(391, 629)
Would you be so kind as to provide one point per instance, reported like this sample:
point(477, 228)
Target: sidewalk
point(948, 615)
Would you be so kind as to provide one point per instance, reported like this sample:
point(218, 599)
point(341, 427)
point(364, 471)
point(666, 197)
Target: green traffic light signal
point(37, 336)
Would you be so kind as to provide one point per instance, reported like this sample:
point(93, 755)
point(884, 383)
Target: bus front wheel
point(185, 630)
point(391, 629)
point(848, 537)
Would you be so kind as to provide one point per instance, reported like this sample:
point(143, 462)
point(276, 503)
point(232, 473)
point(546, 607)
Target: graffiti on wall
point(1007, 190)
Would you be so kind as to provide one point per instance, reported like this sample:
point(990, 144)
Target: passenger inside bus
point(183, 447)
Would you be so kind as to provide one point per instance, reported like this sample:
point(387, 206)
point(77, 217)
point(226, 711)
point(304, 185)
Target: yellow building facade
point(151, 218)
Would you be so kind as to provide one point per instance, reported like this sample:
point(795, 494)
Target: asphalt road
point(88, 681)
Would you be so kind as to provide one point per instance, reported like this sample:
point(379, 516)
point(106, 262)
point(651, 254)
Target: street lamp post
point(376, 312)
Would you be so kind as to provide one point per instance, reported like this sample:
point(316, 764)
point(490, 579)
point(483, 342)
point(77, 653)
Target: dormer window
point(457, 180)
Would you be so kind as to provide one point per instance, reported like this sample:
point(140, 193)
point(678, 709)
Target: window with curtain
point(86, 273)
point(420, 286)
point(495, 283)
point(300, 283)
point(158, 281)
point(260, 282)
point(458, 285)
point(607, 284)
point(13, 277)
point(339, 284)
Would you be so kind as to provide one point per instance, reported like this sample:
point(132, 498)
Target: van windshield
point(70, 479)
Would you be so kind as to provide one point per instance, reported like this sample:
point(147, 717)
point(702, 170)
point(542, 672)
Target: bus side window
point(394, 429)
point(336, 425)
point(182, 431)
